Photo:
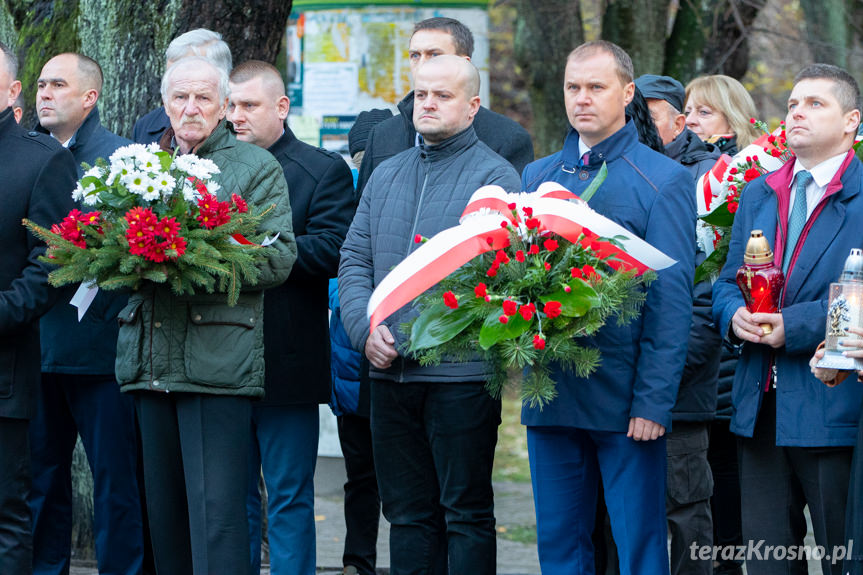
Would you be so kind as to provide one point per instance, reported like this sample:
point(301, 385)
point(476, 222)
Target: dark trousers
point(434, 449)
point(362, 501)
point(16, 543)
point(687, 500)
point(777, 482)
point(725, 502)
point(93, 407)
point(196, 471)
point(565, 466)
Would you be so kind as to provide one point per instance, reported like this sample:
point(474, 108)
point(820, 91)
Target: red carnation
point(533, 250)
point(527, 311)
point(481, 290)
point(450, 300)
point(547, 266)
point(733, 170)
point(519, 256)
point(510, 307)
point(576, 273)
point(528, 211)
point(532, 223)
point(550, 245)
point(492, 271)
point(503, 319)
point(590, 272)
point(751, 174)
point(732, 207)
point(538, 342)
point(511, 205)
point(551, 309)
point(418, 238)
point(567, 289)
point(504, 224)
point(501, 258)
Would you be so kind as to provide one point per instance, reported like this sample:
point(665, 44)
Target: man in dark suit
point(296, 341)
point(38, 176)
point(79, 394)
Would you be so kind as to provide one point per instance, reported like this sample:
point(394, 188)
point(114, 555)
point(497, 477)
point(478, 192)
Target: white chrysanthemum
point(128, 152)
point(152, 191)
point(153, 148)
point(119, 169)
point(95, 172)
point(200, 168)
point(190, 194)
point(213, 187)
point(165, 183)
point(136, 182)
point(83, 194)
point(148, 162)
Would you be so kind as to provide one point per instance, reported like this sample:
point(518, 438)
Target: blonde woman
point(718, 109)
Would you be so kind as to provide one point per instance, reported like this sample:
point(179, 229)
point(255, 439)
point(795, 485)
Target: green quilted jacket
point(197, 344)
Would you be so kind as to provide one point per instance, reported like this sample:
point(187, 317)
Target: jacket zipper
point(411, 237)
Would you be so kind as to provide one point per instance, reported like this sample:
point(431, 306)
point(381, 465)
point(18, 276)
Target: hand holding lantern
point(844, 311)
point(759, 279)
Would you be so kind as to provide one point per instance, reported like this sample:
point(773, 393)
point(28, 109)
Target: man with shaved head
point(285, 423)
point(434, 428)
point(79, 395)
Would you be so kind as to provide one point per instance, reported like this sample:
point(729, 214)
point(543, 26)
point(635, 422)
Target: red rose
point(550, 245)
point(481, 290)
point(450, 300)
point(510, 307)
point(533, 250)
point(551, 309)
point(519, 256)
point(538, 342)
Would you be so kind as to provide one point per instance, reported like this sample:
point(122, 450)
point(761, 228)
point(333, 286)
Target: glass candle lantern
point(844, 310)
point(759, 279)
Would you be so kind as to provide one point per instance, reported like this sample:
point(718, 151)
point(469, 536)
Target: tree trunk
point(129, 39)
point(546, 32)
point(684, 48)
point(727, 49)
point(639, 27)
point(827, 29)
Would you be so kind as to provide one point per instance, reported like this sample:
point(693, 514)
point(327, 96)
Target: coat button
point(157, 325)
point(197, 317)
point(155, 383)
point(251, 320)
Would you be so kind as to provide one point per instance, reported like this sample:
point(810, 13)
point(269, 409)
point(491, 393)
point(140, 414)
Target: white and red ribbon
point(557, 209)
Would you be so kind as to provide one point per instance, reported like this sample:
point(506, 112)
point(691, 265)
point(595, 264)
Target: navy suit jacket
point(650, 195)
point(808, 413)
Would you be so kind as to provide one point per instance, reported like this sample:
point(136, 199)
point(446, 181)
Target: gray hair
point(11, 60)
point(198, 61)
point(201, 42)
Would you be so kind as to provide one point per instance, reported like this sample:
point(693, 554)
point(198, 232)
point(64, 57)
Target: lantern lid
point(853, 269)
point(757, 249)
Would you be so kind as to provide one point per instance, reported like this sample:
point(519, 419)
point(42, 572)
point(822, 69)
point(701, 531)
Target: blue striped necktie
point(797, 217)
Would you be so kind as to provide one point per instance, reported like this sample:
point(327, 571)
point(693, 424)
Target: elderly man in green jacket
point(193, 363)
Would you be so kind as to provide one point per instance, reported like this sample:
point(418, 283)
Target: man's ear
point(14, 92)
point(224, 109)
point(628, 93)
point(283, 107)
point(91, 96)
point(679, 124)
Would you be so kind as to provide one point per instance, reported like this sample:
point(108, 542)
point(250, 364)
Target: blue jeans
point(285, 446)
point(434, 449)
point(565, 465)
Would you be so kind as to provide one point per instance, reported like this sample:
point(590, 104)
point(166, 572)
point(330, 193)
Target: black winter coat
point(37, 177)
point(87, 347)
point(296, 336)
point(397, 134)
point(696, 397)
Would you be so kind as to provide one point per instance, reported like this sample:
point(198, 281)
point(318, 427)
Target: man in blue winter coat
point(796, 434)
point(613, 422)
point(79, 395)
